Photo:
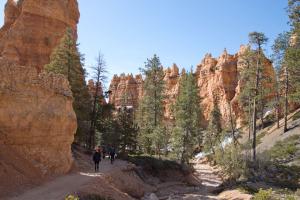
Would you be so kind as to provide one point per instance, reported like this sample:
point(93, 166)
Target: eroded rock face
point(126, 90)
point(36, 117)
point(33, 28)
point(92, 91)
point(216, 78)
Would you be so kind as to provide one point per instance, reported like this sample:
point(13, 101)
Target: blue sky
point(128, 32)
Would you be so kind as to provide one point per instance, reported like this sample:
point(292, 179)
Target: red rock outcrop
point(37, 119)
point(33, 28)
point(172, 85)
point(126, 90)
point(92, 91)
point(216, 77)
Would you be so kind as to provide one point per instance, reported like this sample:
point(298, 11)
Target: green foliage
point(127, 129)
point(150, 111)
point(160, 139)
point(284, 149)
point(107, 126)
point(213, 135)
point(158, 166)
point(72, 197)
point(296, 116)
point(263, 195)
point(187, 118)
point(67, 60)
point(231, 161)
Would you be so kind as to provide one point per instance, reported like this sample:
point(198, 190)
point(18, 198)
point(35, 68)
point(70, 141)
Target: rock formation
point(33, 28)
point(37, 119)
point(217, 78)
point(36, 116)
point(126, 90)
point(92, 91)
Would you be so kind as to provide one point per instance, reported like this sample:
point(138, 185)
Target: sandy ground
point(60, 187)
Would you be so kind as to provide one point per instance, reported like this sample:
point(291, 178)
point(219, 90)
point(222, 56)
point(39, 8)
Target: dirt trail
point(208, 178)
point(58, 188)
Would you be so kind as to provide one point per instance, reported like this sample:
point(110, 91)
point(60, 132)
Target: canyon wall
point(33, 28)
point(216, 78)
point(37, 120)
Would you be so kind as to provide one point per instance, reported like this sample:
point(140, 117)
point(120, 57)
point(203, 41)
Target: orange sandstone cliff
point(216, 78)
point(37, 120)
point(33, 28)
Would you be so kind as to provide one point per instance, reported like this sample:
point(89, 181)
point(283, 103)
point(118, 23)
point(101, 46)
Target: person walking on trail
point(97, 159)
point(103, 152)
point(112, 154)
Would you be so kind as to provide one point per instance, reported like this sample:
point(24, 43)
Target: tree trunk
point(255, 102)
point(286, 98)
point(277, 108)
point(249, 118)
point(232, 125)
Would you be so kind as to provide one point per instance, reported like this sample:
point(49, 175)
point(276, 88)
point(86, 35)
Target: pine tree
point(293, 51)
point(67, 60)
point(257, 39)
point(99, 75)
point(213, 135)
point(160, 139)
point(246, 95)
point(187, 118)
point(150, 111)
point(280, 47)
point(127, 129)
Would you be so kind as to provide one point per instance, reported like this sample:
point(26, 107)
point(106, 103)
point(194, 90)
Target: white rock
point(153, 197)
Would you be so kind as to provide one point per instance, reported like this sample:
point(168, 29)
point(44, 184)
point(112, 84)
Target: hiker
point(103, 152)
point(97, 159)
point(112, 154)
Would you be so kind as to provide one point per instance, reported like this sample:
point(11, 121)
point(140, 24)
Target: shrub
point(296, 116)
point(231, 161)
point(71, 197)
point(284, 149)
point(263, 195)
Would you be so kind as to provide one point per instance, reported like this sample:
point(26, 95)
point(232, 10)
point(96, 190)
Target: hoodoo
point(217, 78)
point(37, 120)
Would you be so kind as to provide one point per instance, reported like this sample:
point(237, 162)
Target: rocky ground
point(121, 181)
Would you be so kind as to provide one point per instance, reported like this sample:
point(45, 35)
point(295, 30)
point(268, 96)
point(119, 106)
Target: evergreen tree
point(127, 129)
point(187, 118)
point(246, 95)
point(107, 126)
point(279, 47)
point(257, 39)
point(150, 111)
point(99, 75)
point(67, 60)
point(293, 51)
point(160, 139)
point(213, 135)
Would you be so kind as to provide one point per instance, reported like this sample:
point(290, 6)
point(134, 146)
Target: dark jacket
point(97, 157)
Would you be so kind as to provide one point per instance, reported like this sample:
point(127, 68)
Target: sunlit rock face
point(92, 91)
point(33, 28)
point(217, 78)
point(126, 90)
point(37, 119)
